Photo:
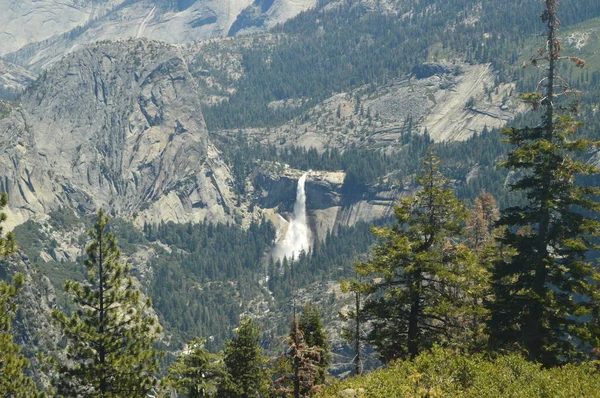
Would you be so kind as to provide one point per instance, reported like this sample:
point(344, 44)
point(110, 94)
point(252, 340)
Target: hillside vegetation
point(445, 373)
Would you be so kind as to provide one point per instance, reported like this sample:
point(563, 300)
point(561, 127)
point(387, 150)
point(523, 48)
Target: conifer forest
point(299, 198)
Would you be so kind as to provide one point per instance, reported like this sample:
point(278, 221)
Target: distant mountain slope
point(37, 33)
point(28, 21)
point(343, 45)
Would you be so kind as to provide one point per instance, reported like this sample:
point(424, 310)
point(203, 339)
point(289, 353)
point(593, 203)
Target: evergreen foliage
point(481, 221)
point(424, 285)
point(244, 362)
point(196, 373)
point(109, 335)
point(311, 325)
point(13, 383)
point(363, 166)
point(326, 261)
point(299, 367)
point(545, 295)
point(225, 260)
point(481, 234)
point(7, 243)
point(353, 334)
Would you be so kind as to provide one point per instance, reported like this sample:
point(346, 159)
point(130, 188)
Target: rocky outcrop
point(13, 79)
point(429, 69)
point(330, 203)
point(117, 125)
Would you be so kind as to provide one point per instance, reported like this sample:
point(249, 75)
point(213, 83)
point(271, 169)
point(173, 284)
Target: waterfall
point(297, 236)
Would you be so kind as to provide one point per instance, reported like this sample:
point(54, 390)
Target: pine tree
point(481, 234)
point(422, 279)
point(353, 333)
point(481, 222)
point(197, 372)
point(298, 368)
point(109, 335)
point(311, 325)
point(244, 362)
point(12, 364)
point(545, 296)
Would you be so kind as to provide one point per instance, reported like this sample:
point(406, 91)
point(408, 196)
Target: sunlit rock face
point(119, 126)
point(38, 33)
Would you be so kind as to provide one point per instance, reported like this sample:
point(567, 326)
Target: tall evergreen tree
point(197, 372)
point(311, 325)
point(481, 222)
point(546, 295)
point(13, 383)
point(244, 362)
point(353, 333)
point(422, 279)
point(298, 368)
point(480, 233)
point(109, 335)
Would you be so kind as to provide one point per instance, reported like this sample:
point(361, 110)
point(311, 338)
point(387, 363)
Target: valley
point(244, 150)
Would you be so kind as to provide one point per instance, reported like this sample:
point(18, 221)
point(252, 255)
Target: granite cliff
point(117, 125)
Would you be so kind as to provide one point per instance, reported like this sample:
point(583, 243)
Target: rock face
point(13, 79)
point(28, 21)
point(119, 126)
point(330, 203)
point(68, 25)
point(264, 14)
point(429, 69)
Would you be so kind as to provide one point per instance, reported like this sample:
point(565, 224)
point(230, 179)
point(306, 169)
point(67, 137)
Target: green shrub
point(445, 373)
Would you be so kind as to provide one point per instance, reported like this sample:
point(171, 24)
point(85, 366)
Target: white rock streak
point(297, 236)
point(142, 27)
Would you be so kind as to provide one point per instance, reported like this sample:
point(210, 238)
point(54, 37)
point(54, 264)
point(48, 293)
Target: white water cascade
point(297, 236)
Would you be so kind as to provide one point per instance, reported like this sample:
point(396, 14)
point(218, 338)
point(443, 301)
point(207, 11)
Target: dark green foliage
point(311, 325)
point(424, 285)
point(66, 218)
point(197, 372)
point(547, 294)
point(110, 335)
point(363, 166)
point(366, 167)
point(244, 362)
point(30, 239)
point(353, 332)
point(327, 260)
point(197, 287)
point(13, 383)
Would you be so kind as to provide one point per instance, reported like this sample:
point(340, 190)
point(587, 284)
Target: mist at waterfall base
point(297, 236)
